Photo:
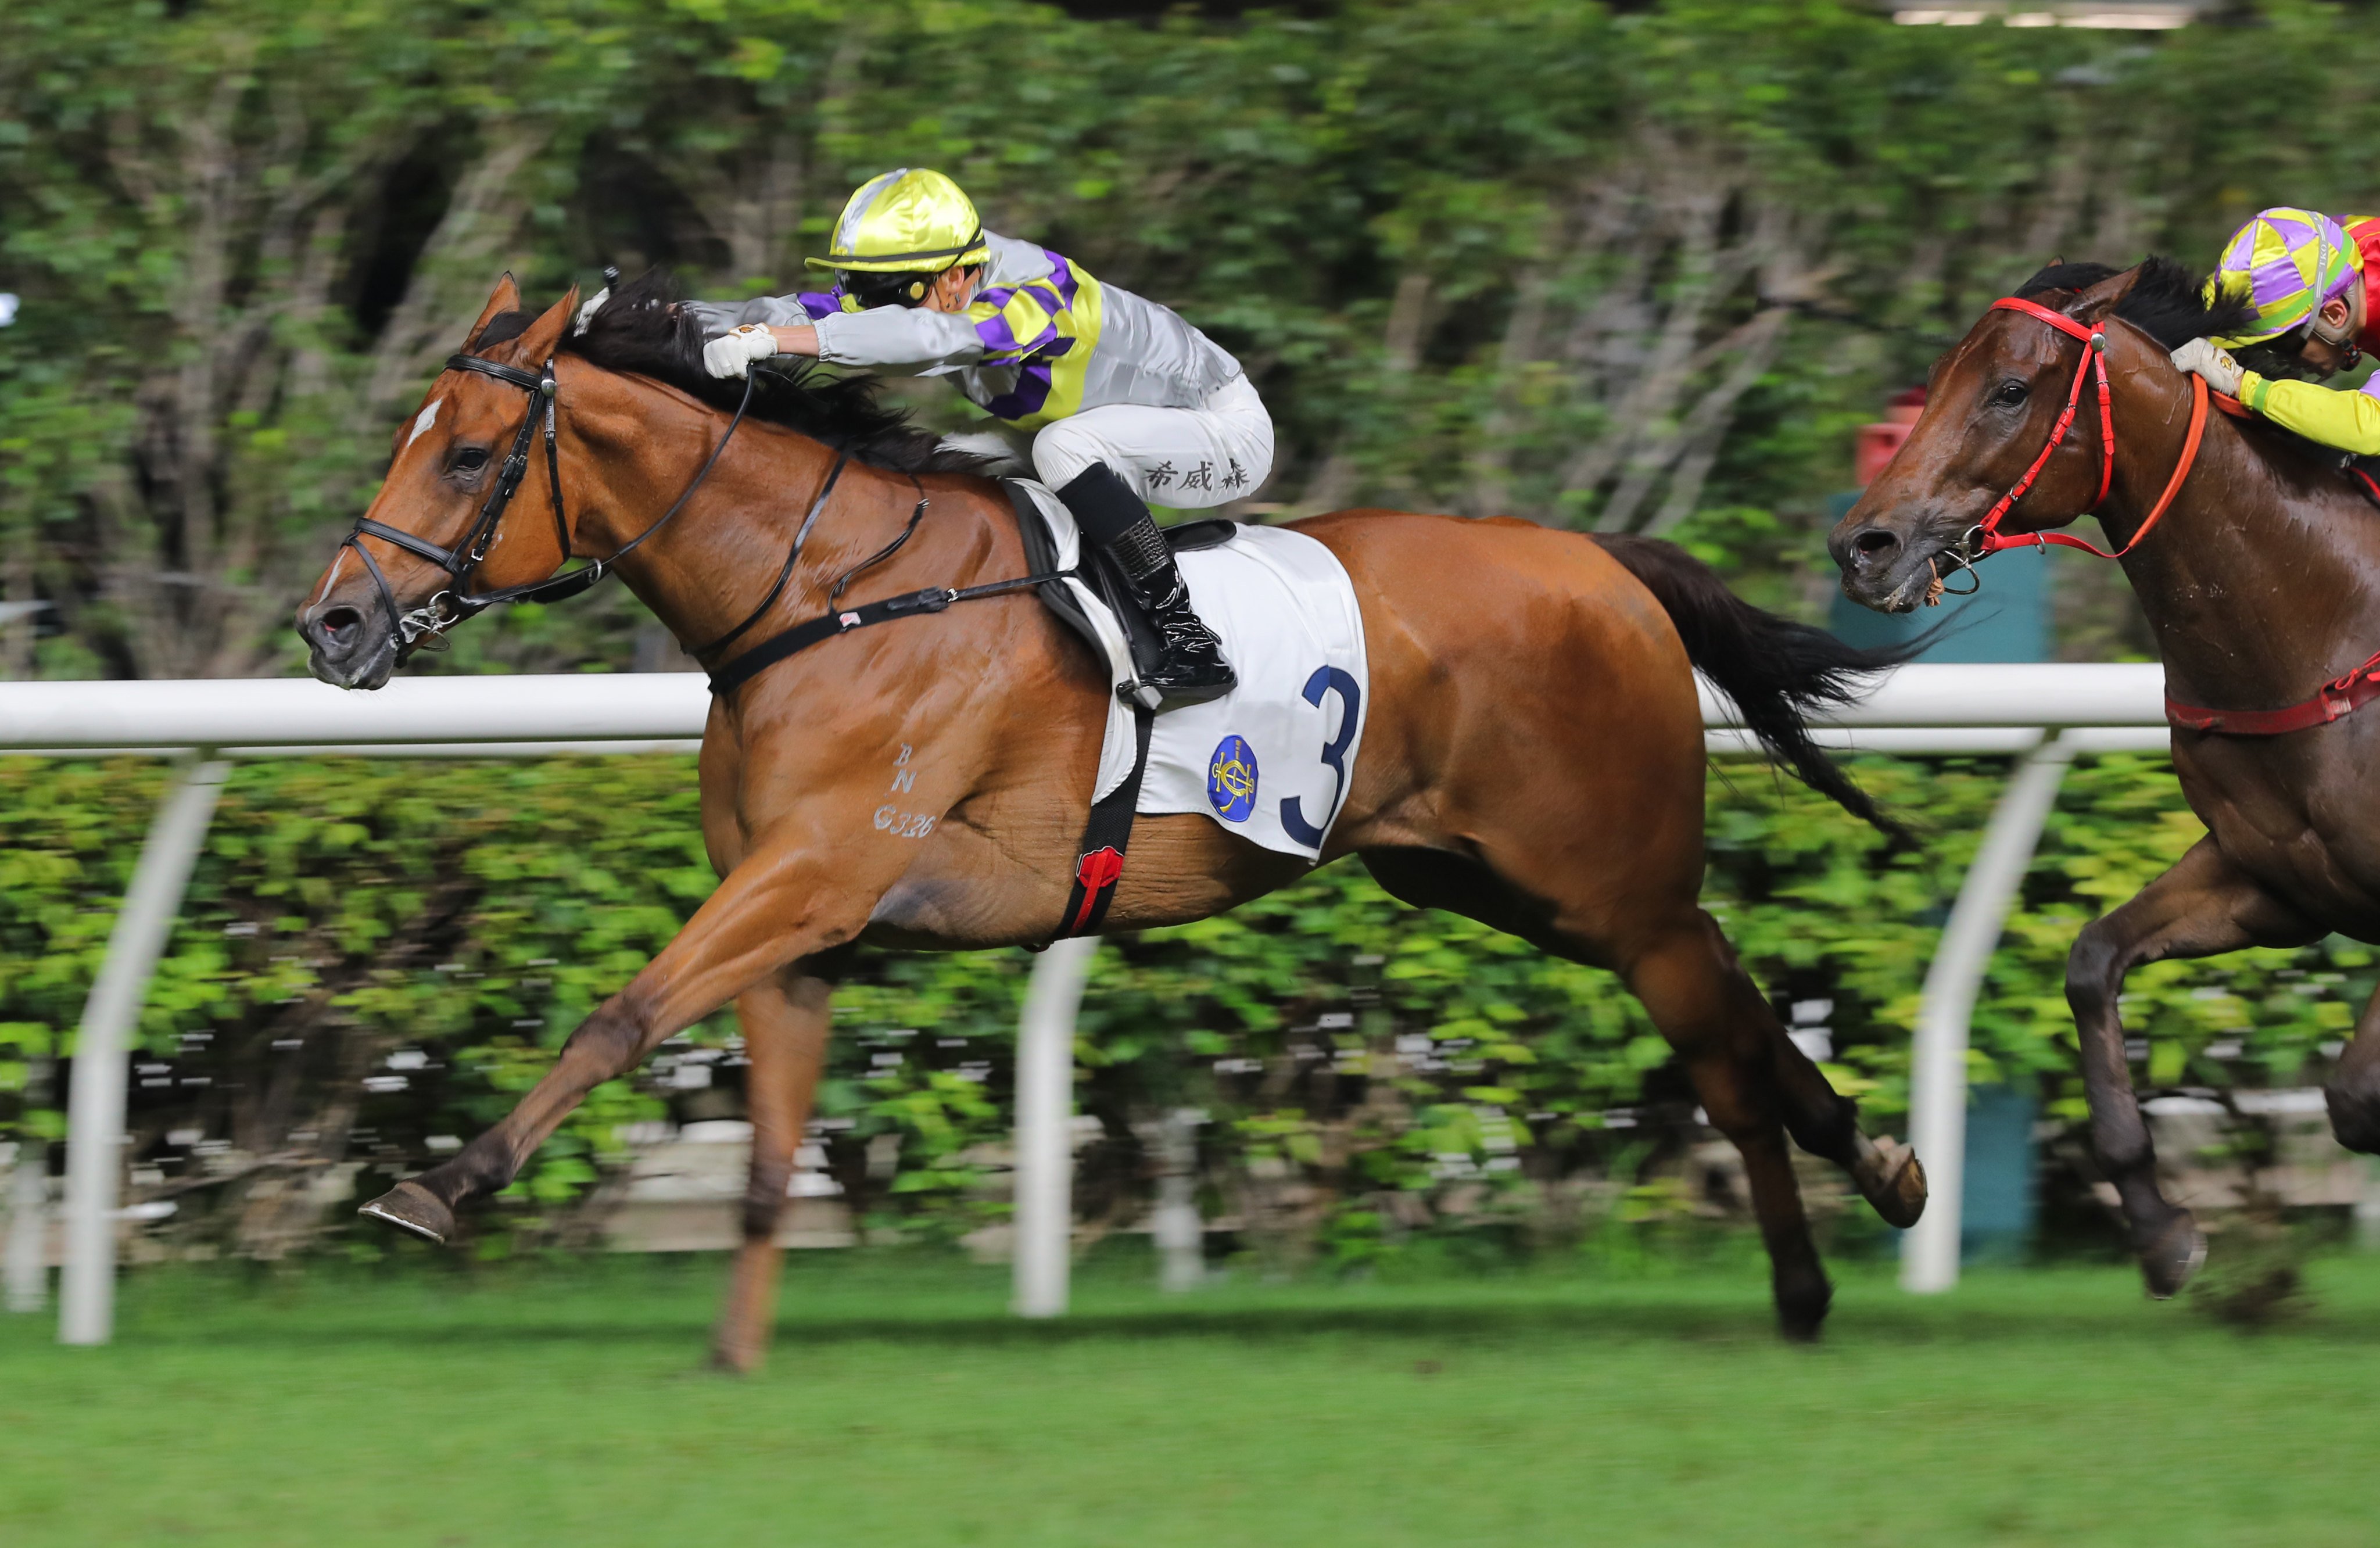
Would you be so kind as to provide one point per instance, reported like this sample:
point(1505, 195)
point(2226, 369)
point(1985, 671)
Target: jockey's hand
point(732, 354)
point(2200, 358)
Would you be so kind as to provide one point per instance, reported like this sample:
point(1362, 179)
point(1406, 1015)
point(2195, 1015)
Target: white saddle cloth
point(1272, 759)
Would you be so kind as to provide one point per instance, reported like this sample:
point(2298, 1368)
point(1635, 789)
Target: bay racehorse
point(2256, 557)
point(1534, 756)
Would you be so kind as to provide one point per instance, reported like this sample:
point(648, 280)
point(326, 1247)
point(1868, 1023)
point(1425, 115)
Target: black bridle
point(454, 603)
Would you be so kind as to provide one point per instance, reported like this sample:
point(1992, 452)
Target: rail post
point(1045, 1110)
point(1938, 1065)
point(95, 1099)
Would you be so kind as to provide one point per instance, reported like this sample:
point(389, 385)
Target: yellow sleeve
point(2347, 418)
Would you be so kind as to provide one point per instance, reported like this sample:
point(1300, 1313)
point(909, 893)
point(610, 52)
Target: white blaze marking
point(423, 420)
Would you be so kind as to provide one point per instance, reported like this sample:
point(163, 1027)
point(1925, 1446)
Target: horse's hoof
point(410, 1207)
point(2173, 1256)
point(1900, 1197)
point(1802, 1309)
point(735, 1359)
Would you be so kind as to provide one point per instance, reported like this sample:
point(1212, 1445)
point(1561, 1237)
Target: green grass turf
point(529, 1407)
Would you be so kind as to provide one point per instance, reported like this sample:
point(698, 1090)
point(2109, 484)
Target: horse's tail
point(1776, 671)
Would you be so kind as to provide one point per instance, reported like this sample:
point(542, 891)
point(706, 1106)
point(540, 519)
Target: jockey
point(1130, 403)
point(2306, 276)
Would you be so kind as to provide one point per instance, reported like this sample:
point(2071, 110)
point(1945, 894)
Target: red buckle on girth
point(1096, 872)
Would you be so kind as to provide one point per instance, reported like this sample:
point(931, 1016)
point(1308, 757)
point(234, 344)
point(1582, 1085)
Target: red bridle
point(2342, 696)
point(1986, 535)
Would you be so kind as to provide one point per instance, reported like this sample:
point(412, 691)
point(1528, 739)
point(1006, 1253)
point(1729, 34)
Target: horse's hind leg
point(2204, 905)
point(1677, 962)
point(1699, 995)
point(784, 1021)
point(1825, 1123)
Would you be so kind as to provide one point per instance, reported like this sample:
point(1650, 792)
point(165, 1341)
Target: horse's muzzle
point(349, 646)
point(1882, 569)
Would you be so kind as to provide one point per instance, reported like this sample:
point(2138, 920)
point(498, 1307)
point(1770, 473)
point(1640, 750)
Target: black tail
point(1776, 671)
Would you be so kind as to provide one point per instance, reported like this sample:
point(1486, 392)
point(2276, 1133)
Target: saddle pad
point(1272, 759)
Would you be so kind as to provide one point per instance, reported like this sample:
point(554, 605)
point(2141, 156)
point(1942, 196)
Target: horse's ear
point(2099, 302)
point(505, 297)
point(542, 338)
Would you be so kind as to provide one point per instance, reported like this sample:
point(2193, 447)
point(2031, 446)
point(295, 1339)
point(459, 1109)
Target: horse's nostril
point(1875, 544)
point(338, 623)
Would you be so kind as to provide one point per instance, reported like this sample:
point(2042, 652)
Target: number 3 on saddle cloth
point(1271, 760)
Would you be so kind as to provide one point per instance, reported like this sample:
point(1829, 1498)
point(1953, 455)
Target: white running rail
point(2047, 714)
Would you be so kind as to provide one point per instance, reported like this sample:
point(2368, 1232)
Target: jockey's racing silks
point(2284, 280)
point(1041, 340)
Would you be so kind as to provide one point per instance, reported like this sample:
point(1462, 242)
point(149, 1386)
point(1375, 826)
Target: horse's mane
point(642, 330)
point(2168, 303)
point(2168, 300)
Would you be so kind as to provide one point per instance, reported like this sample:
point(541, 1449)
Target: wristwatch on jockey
point(896, 244)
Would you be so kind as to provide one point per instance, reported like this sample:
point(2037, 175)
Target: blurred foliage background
point(1636, 268)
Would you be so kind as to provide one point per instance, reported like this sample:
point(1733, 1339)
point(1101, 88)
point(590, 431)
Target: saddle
point(1100, 573)
point(1098, 861)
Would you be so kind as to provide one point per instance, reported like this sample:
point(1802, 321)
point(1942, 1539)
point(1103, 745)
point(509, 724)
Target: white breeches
point(1185, 459)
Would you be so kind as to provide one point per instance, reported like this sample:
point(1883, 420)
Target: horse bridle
point(1985, 538)
point(454, 603)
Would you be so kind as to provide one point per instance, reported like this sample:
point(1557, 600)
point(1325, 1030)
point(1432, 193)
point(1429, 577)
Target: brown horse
point(1534, 756)
point(2262, 581)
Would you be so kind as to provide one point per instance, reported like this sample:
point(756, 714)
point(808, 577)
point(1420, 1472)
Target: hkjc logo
point(1232, 779)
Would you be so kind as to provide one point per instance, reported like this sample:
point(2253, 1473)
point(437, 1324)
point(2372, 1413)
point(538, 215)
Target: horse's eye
point(470, 459)
point(2010, 394)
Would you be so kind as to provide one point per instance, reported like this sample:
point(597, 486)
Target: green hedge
point(1370, 1071)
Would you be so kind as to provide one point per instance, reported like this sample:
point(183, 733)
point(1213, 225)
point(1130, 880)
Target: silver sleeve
point(898, 336)
point(720, 317)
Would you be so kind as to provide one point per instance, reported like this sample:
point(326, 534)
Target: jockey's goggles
point(874, 289)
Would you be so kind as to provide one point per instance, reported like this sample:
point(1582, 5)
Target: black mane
point(2167, 301)
point(642, 330)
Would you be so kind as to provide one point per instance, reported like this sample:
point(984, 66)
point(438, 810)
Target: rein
point(452, 605)
point(2335, 699)
point(1985, 538)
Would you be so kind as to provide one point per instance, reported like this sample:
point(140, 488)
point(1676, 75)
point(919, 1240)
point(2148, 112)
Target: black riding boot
point(1189, 668)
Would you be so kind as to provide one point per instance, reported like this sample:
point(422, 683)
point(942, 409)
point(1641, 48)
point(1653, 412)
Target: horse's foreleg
point(2204, 905)
point(783, 902)
point(784, 1021)
point(1706, 1006)
point(2354, 1090)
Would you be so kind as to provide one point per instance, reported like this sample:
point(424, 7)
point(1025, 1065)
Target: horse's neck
point(714, 564)
point(2258, 584)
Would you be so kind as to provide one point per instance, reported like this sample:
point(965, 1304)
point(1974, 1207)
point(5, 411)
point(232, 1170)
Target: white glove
point(2200, 358)
point(587, 313)
point(732, 354)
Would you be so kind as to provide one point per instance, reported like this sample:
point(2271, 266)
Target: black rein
point(452, 605)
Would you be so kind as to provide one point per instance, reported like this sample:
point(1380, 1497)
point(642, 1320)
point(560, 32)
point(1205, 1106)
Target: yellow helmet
point(910, 220)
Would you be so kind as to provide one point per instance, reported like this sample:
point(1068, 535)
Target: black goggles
point(872, 290)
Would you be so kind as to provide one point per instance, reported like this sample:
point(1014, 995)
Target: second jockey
point(1129, 403)
point(2307, 276)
